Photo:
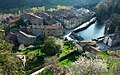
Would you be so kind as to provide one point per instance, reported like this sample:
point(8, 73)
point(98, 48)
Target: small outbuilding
point(111, 39)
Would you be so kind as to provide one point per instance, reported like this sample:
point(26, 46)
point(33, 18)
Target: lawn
point(46, 72)
point(103, 54)
point(34, 58)
point(66, 50)
point(68, 61)
point(112, 61)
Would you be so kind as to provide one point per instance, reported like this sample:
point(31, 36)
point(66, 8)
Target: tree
point(106, 8)
point(8, 64)
point(112, 24)
point(36, 9)
point(116, 69)
point(63, 7)
point(53, 68)
point(41, 8)
point(2, 33)
point(84, 66)
point(102, 11)
point(50, 47)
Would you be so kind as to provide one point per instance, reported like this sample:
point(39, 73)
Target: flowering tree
point(85, 66)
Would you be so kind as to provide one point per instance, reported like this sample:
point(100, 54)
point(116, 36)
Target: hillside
point(108, 11)
point(106, 8)
point(10, 4)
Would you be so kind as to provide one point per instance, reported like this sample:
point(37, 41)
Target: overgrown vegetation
point(48, 53)
point(106, 8)
point(8, 63)
point(14, 6)
point(112, 24)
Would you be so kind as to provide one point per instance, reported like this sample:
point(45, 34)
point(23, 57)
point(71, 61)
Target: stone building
point(24, 38)
point(22, 58)
point(10, 18)
point(11, 37)
point(29, 18)
point(73, 17)
point(112, 39)
point(49, 30)
point(40, 24)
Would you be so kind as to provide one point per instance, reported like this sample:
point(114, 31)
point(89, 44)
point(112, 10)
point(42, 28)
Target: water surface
point(94, 31)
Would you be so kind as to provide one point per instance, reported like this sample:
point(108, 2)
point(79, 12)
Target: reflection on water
point(92, 32)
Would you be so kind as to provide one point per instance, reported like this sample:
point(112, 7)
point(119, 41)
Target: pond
point(94, 31)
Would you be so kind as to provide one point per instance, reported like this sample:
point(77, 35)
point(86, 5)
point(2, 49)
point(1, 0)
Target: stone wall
point(48, 32)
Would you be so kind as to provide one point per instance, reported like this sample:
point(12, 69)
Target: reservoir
point(93, 31)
